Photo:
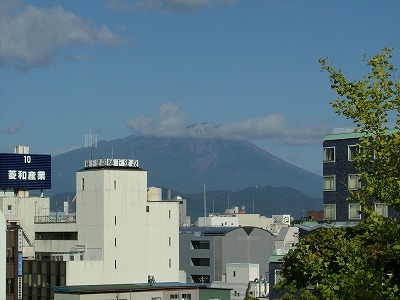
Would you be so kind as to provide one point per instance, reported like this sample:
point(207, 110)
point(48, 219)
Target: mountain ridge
point(186, 164)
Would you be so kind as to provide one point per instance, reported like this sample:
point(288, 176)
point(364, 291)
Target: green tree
point(373, 104)
point(360, 262)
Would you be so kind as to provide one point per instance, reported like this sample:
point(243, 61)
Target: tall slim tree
point(361, 262)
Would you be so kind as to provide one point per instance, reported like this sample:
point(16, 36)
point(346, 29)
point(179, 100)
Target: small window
point(83, 184)
point(329, 154)
point(169, 241)
point(330, 211)
point(174, 297)
point(352, 151)
point(115, 264)
point(169, 214)
point(147, 208)
point(200, 244)
point(354, 211)
point(278, 276)
point(200, 262)
point(329, 183)
point(234, 273)
point(115, 242)
point(381, 209)
point(115, 184)
point(354, 182)
point(9, 208)
point(115, 220)
point(186, 296)
point(170, 263)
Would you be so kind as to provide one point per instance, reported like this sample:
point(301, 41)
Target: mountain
point(186, 164)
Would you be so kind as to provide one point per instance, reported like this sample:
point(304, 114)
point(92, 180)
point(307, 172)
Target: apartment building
point(340, 176)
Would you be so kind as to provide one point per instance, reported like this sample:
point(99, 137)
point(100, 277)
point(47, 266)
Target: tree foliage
point(373, 103)
point(360, 262)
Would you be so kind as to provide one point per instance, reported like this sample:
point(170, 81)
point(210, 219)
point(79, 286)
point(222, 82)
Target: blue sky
point(155, 67)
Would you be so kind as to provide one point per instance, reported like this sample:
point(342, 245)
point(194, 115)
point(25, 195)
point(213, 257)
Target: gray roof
point(217, 230)
point(129, 287)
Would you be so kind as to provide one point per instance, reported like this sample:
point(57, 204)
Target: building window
point(200, 262)
point(9, 286)
point(170, 263)
point(169, 214)
point(115, 184)
point(330, 211)
point(147, 208)
point(329, 154)
point(174, 297)
point(115, 220)
point(234, 273)
point(329, 183)
point(278, 276)
point(354, 211)
point(381, 209)
point(200, 244)
point(115, 242)
point(352, 151)
point(354, 182)
point(9, 208)
point(83, 183)
point(169, 241)
point(115, 264)
point(186, 296)
point(155, 298)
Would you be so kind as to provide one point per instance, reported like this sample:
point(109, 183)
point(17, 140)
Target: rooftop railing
point(56, 219)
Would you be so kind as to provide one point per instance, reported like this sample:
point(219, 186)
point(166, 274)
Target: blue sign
point(19, 263)
point(25, 171)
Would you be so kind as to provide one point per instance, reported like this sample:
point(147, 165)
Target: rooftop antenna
point(205, 205)
point(91, 142)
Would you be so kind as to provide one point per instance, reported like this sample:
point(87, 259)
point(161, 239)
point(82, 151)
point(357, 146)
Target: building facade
point(205, 251)
point(153, 291)
point(340, 176)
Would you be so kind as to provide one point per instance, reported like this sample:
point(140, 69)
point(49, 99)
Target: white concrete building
point(238, 217)
point(3, 230)
point(242, 278)
point(123, 233)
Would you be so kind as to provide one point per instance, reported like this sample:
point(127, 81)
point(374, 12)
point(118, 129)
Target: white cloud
point(180, 6)
point(172, 123)
point(31, 37)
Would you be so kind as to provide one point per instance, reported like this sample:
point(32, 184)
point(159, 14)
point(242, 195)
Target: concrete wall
point(137, 237)
point(3, 253)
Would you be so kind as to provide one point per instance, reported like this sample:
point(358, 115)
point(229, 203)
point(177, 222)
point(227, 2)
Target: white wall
point(3, 253)
point(136, 237)
point(23, 211)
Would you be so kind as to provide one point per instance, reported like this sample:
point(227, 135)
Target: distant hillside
point(264, 200)
point(186, 164)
